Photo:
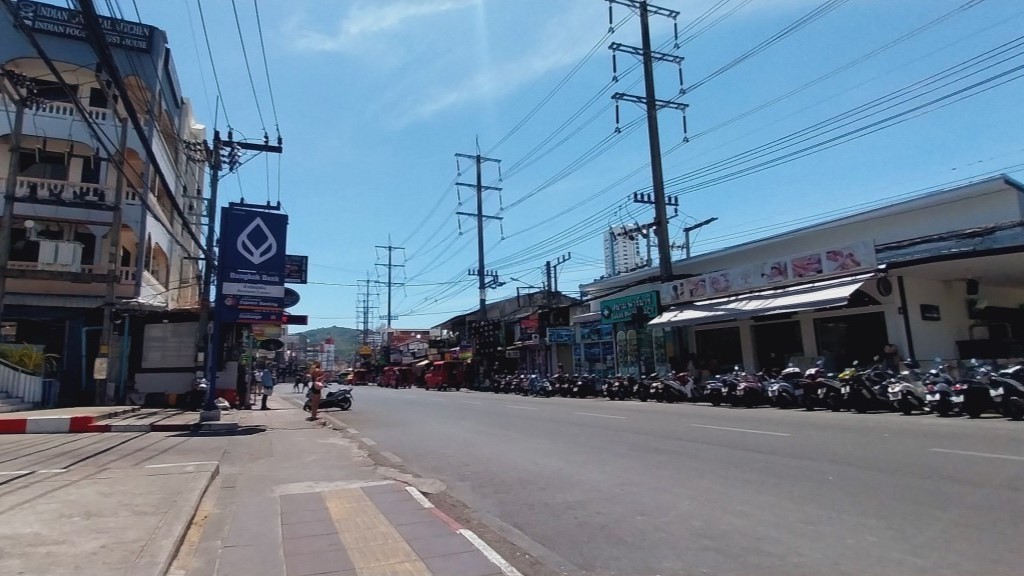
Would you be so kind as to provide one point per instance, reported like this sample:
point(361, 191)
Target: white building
point(622, 251)
point(937, 276)
point(65, 190)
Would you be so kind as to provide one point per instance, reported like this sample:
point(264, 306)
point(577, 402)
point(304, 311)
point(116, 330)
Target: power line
point(266, 67)
point(248, 69)
point(213, 66)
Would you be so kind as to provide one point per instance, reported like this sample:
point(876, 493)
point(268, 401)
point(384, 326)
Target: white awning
point(824, 294)
point(584, 318)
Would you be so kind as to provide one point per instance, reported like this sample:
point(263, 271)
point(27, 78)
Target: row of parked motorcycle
point(983, 389)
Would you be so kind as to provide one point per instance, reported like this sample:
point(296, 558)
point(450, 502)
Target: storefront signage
point(777, 271)
point(561, 335)
point(251, 266)
point(622, 309)
point(59, 21)
point(295, 269)
point(930, 313)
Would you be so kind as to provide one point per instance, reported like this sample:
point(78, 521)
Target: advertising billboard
point(251, 266)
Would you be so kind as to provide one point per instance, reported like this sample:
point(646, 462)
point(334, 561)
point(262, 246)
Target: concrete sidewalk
point(97, 521)
point(302, 500)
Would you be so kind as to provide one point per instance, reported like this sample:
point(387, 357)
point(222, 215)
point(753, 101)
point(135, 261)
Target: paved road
point(631, 488)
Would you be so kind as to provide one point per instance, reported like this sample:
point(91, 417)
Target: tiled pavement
point(378, 530)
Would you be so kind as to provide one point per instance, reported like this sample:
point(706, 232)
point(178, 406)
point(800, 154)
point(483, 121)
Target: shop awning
point(824, 294)
point(584, 318)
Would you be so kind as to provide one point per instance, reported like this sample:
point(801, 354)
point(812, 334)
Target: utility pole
point(688, 229)
point(113, 258)
point(652, 105)
point(481, 271)
point(363, 309)
point(209, 332)
point(10, 191)
point(390, 266)
point(561, 260)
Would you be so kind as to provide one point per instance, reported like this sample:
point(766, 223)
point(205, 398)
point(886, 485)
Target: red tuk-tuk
point(359, 377)
point(396, 377)
point(445, 375)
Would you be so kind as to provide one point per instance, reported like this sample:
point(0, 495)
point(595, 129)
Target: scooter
point(1013, 392)
point(984, 392)
point(714, 391)
point(751, 391)
point(785, 391)
point(341, 398)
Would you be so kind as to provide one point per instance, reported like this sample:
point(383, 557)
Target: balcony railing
point(80, 194)
point(65, 109)
point(125, 275)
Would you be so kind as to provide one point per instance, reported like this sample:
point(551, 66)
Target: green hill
point(346, 340)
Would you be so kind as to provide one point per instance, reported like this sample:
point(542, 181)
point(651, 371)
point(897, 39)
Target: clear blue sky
point(374, 98)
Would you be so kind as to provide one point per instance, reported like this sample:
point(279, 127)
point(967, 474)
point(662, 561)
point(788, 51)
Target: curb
point(158, 555)
point(56, 424)
point(202, 427)
point(475, 540)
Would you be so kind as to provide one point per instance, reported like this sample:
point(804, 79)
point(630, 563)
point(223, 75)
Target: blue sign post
point(250, 276)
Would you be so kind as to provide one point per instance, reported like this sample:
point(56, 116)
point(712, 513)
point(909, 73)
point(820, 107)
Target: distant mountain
point(346, 340)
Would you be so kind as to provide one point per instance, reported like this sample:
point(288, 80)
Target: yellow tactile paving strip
point(373, 544)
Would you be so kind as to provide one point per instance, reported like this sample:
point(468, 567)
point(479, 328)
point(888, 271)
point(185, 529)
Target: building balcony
point(77, 201)
point(52, 118)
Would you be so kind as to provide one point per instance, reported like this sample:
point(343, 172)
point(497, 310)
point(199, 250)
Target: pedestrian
point(242, 389)
point(267, 379)
point(298, 383)
point(316, 386)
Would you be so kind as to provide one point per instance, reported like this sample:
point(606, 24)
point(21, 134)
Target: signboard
point(365, 351)
point(295, 319)
point(622, 309)
point(251, 265)
point(773, 272)
point(561, 335)
point(59, 21)
point(266, 331)
point(291, 297)
point(296, 269)
point(930, 313)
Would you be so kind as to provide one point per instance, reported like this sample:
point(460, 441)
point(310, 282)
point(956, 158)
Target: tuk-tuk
point(405, 377)
point(359, 377)
point(445, 375)
point(394, 377)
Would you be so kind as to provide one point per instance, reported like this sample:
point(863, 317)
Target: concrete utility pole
point(688, 229)
point(481, 271)
point(652, 105)
point(113, 259)
point(363, 309)
point(558, 262)
point(390, 283)
point(20, 103)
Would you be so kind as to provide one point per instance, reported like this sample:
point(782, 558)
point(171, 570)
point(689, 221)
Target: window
point(53, 91)
point(843, 339)
point(23, 249)
point(91, 166)
point(97, 98)
point(126, 258)
point(88, 241)
point(44, 165)
point(718, 349)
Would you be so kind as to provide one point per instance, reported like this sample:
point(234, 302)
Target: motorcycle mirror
point(857, 362)
point(877, 358)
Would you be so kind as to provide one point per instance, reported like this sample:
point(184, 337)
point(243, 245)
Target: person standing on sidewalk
point(267, 379)
point(242, 389)
point(316, 378)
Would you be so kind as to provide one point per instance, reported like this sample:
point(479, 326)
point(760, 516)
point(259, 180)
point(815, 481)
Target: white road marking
point(493, 556)
point(601, 415)
point(20, 472)
point(740, 430)
point(304, 487)
point(368, 442)
point(520, 407)
point(351, 430)
point(468, 402)
point(419, 497)
point(986, 455)
point(178, 464)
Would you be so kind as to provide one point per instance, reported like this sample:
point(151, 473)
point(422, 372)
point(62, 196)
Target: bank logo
point(256, 242)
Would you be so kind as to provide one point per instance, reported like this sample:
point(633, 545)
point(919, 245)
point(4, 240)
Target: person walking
point(267, 379)
point(242, 389)
point(316, 386)
point(298, 383)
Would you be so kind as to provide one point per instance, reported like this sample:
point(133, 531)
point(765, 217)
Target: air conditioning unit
point(60, 255)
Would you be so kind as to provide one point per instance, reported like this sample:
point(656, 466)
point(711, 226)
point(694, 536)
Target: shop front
point(639, 349)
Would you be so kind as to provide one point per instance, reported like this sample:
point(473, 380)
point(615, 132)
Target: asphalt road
point(625, 488)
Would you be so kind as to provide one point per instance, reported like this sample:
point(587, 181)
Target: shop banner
point(775, 272)
point(561, 335)
point(251, 265)
point(622, 309)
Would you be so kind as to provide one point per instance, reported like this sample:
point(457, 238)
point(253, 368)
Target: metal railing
point(18, 383)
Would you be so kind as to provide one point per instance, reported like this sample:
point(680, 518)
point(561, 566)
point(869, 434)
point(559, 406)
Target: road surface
point(603, 487)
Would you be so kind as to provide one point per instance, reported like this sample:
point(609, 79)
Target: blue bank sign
point(251, 265)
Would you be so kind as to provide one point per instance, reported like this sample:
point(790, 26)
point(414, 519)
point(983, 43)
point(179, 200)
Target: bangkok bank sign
point(251, 265)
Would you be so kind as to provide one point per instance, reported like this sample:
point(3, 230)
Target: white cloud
point(367, 20)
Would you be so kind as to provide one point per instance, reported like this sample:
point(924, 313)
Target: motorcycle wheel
point(749, 401)
point(906, 407)
point(943, 407)
point(345, 404)
point(716, 401)
point(835, 403)
point(1015, 408)
point(973, 413)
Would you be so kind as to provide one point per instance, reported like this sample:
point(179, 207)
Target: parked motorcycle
point(984, 392)
point(340, 398)
point(714, 391)
point(616, 388)
point(1013, 392)
point(820, 391)
point(751, 390)
point(785, 391)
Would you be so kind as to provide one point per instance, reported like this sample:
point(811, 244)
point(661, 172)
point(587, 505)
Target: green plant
point(30, 358)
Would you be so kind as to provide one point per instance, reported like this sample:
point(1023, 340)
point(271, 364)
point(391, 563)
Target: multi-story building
point(65, 182)
point(622, 251)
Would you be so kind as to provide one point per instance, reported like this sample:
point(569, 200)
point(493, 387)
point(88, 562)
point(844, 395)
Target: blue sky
point(374, 98)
